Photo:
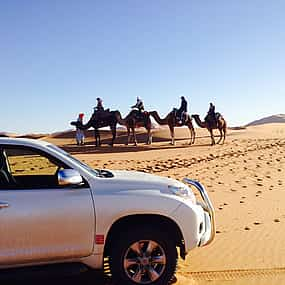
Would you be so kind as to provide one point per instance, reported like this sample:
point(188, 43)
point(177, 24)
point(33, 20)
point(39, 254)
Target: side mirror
point(69, 177)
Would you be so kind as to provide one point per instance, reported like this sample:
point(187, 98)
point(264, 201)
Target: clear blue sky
point(56, 57)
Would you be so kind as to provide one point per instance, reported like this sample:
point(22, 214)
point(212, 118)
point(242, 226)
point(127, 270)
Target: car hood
point(135, 181)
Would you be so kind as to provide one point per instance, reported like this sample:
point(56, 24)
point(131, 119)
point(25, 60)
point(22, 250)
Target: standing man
point(79, 135)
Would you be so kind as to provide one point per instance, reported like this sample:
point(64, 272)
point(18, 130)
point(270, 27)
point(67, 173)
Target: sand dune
point(280, 118)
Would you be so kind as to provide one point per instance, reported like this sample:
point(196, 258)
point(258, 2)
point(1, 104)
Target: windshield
point(82, 164)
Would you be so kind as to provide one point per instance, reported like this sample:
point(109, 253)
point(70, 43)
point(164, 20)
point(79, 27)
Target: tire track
point(234, 274)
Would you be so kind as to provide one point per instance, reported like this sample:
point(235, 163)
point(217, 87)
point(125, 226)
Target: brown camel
point(210, 125)
point(135, 119)
point(99, 120)
point(172, 122)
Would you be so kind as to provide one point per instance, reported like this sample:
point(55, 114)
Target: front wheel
point(143, 256)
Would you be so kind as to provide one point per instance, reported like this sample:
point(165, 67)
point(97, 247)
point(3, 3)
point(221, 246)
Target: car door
point(40, 220)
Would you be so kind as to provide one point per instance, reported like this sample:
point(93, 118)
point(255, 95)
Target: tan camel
point(210, 125)
point(135, 119)
point(172, 122)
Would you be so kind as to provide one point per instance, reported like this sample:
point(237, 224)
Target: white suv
point(56, 209)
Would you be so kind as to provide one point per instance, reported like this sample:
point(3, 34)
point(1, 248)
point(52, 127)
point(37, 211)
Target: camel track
point(234, 274)
point(161, 166)
point(157, 166)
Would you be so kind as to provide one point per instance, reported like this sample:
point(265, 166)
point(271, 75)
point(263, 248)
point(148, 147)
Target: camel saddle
point(101, 114)
point(178, 118)
point(140, 116)
point(211, 118)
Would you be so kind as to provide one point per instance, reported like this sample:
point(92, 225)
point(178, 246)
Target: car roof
point(23, 141)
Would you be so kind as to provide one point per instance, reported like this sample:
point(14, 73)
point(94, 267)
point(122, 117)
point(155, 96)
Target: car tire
point(143, 256)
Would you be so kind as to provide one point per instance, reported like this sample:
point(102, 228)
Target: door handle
point(4, 205)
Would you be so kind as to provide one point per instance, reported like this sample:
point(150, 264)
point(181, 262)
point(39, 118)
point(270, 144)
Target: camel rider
point(182, 110)
point(211, 113)
point(139, 105)
point(212, 109)
point(99, 106)
point(79, 135)
point(99, 112)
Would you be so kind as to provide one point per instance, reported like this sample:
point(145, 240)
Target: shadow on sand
point(121, 147)
point(90, 277)
point(44, 278)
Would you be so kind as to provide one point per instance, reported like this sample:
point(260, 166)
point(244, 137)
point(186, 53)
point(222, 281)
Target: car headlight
point(182, 191)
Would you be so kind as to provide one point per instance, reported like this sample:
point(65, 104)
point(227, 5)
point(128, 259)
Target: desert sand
point(245, 180)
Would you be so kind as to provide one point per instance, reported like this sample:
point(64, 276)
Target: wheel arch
point(158, 221)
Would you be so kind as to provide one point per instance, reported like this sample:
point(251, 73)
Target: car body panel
point(46, 224)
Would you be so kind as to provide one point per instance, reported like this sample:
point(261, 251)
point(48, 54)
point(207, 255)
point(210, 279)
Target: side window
point(27, 162)
point(30, 168)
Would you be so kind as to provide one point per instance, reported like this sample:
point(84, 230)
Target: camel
point(134, 120)
point(172, 122)
point(98, 121)
point(210, 125)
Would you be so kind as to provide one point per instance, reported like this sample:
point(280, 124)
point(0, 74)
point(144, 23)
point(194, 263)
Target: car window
point(27, 162)
point(25, 167)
